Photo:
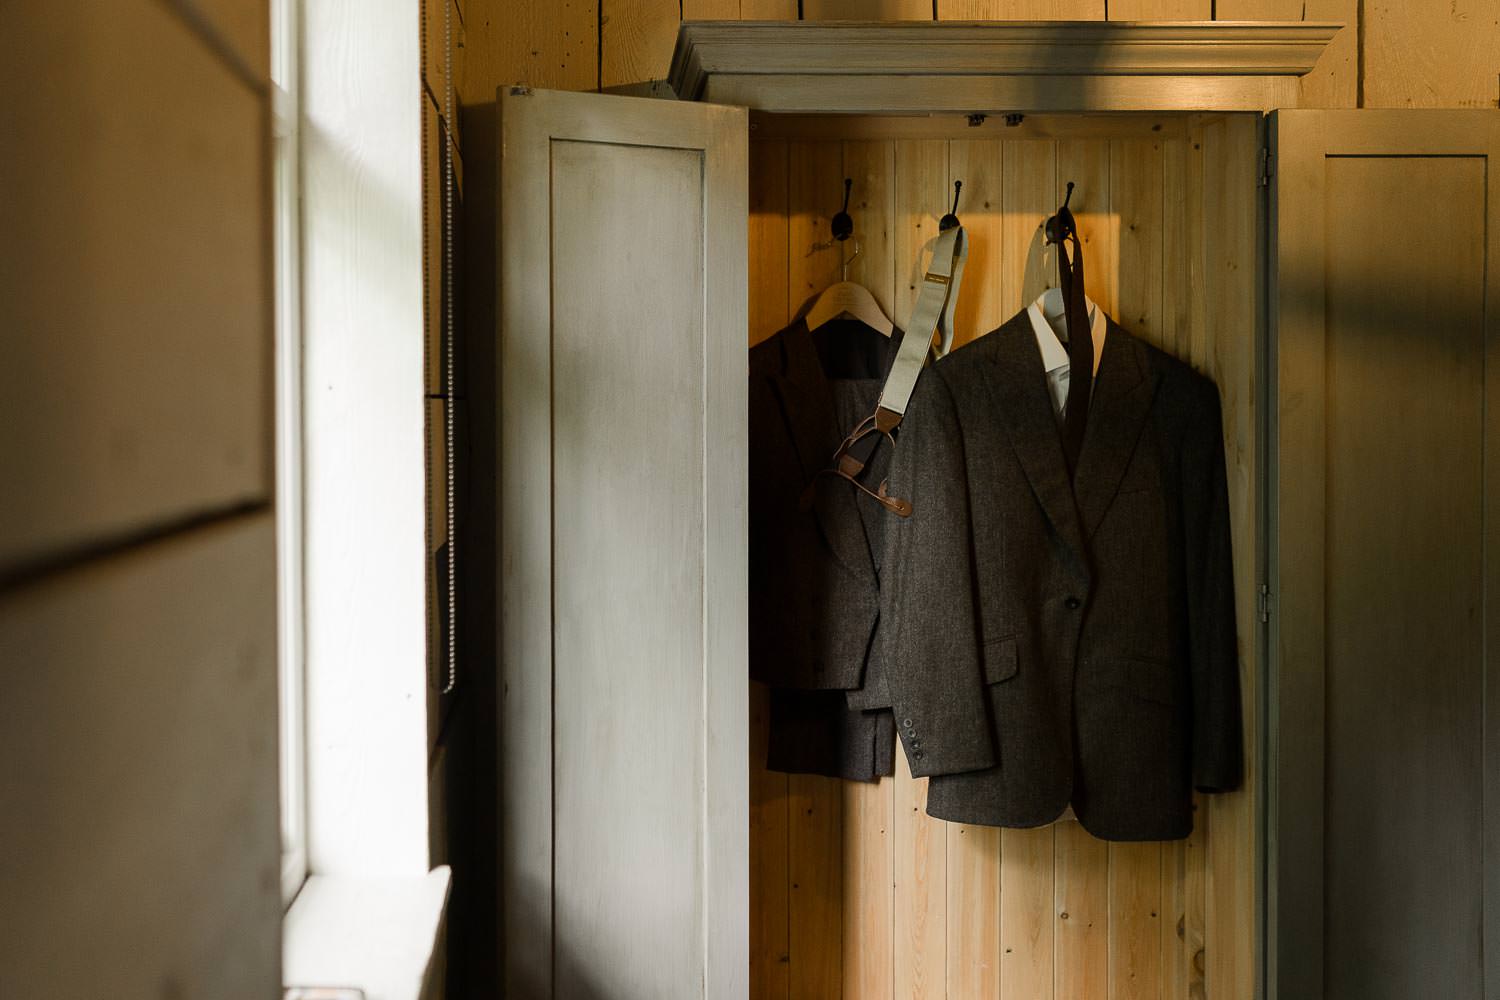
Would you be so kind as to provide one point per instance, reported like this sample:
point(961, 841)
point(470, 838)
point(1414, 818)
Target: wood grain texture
point(1334, 82)
point(541, 43)
point(1160, 10)
point(1135, 901)
point(1020, 10)
point(1086, 163)
point(869, 890)
point(1027, 918)
point(636, 39)
point(867, 10)
point(1081, 935)
point(871, 165)
point(1136, 215)
point(1031, 193)
point(768, 10)
point(1231, 200)
point(980, 166)
point(770, 879)
point(921, 867)
point(973, 920)
point(1431, 56)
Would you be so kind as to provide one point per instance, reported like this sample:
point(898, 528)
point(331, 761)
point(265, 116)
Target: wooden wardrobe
point(643, 243)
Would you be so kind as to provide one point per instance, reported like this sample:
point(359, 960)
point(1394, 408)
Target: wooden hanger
point(845, 297)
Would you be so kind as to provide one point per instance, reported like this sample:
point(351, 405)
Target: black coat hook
point(843, 225)
point(950, 220)
point(1062, 225)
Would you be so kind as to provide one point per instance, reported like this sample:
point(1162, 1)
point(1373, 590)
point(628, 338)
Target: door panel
point(622, 564)
point(1384, 247)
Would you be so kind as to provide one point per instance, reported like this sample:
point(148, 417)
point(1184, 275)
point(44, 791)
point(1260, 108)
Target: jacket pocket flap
point(1152, 680)
point(1000, 660)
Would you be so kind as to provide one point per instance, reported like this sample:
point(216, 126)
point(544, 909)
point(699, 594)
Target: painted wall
point(138, 701)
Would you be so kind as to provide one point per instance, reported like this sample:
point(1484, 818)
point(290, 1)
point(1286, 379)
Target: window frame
point(291, 617)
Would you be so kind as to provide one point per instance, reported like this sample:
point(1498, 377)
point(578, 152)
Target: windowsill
point(376, 934)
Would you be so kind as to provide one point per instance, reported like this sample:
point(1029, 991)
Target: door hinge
point(1263, 602)
point(1265, 166)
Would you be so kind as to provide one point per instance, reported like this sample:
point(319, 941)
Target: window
point(285, 34)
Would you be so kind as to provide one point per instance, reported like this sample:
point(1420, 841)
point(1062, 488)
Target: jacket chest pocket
point(1000, 660)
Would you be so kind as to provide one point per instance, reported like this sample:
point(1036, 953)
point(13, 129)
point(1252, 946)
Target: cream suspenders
point(931, 318)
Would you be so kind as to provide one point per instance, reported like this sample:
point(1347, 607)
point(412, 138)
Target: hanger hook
point(950, 220)
point(843, 224)
point(1062, 225)
point(844, 266)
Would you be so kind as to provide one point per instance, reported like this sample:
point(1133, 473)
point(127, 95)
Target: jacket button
point(918, 755)
point(906, 723)
point(1072, 604)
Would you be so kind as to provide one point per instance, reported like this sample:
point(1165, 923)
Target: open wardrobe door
point(1384, 600)
point(622, 546)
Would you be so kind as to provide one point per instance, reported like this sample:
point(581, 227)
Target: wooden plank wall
point(855, 891)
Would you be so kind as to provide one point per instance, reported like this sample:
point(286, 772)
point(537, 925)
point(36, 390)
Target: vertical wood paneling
point(636, 39)
point(1160, 10)
point(1136, 218)
point(710, 10)
point(1334, 82)
point(1231, 197)
point(816, 842)
point(1085, 162)
point(869, 833)
point(1135, 899)
point(1027, 924)
point(539, 42)
point(1020, 10)
point(867, 10)
point(769, 306)
point(1179, 222)
point(768, 10)
point(770, 877)
point(872, 205)
point(979, 164)
point(1031, 193)
point(921, 847)
point(1431, 55)
point(1081, 941)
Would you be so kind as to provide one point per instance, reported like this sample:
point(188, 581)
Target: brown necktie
point(1080, 350)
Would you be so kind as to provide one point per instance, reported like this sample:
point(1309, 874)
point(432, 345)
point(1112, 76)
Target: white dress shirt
point(1051, 340)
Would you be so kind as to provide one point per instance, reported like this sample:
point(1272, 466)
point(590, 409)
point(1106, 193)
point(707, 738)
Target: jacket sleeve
point(929, 629)
point(1213, 647)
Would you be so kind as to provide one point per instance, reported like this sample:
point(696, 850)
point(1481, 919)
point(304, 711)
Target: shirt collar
point(1054, 351)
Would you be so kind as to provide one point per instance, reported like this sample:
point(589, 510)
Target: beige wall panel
point(544, 43)
point(1020, 10)
point(243, 25)
point(1431, 55)
point(136, 269)
point(1334, 82)
point(867, 10)
point(636, 39)
point(138, 728)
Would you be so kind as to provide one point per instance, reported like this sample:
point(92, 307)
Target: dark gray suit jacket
point(1047, 641)
point(814, 591)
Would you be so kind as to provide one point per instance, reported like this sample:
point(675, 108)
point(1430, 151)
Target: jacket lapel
point(1121, 401)
point(1019, 386)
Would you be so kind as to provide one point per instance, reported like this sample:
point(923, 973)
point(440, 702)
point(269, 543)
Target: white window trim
point(369, 912)
point(288, 263)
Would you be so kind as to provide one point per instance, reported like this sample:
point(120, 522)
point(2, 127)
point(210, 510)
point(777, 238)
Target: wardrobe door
point(1384, 832)
point(622, 562)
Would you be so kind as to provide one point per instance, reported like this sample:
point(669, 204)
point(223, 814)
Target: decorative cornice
point(834, 56)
